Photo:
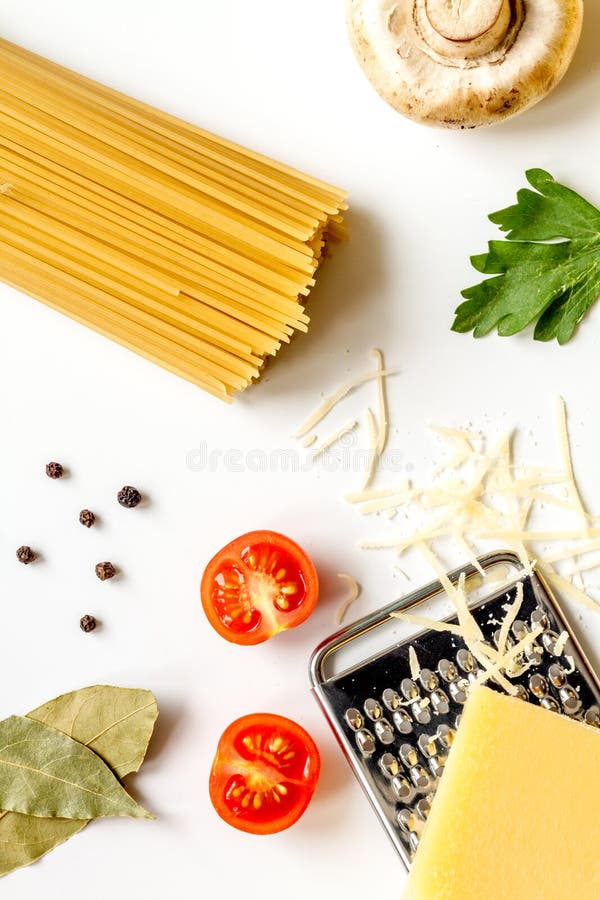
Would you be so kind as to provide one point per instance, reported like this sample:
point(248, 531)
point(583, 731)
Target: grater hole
point(534, 654)
point(373, 709)
point(402, 721)
point(421, 712)
point(447, 670)
point(384, 731)
point(519, 629)
point(550, 703)
point(445, 736)
point(408, 755)
point(409, 689)
point(413, 841)
point(592, 716)
point(404, 820)
point(389, 765)
point(538, 686)
point(539, 617)
point(440, 703)
point(459, 691)
point(365, 742)
point(466, 661)
point(427, 745)
point(569, 698)
point(429, 680)
point(497, 637)
point(436, 765)
point(557, 675)
point(420, 778)
point(423, 808)
point(391, 699)
point(354, 718)
point(403, 791)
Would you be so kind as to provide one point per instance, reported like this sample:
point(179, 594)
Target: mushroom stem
point(463, 29)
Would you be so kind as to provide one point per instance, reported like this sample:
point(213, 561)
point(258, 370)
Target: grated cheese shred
point(382, 494)
point(373, 443)
point(333, 399)
point(509, 619)
point(415, 668)
point(331, 441)
point(430, 624)
point(383, 423)
point(354, 594)
point(559, 647)
point(510, 656)
point(565, 443)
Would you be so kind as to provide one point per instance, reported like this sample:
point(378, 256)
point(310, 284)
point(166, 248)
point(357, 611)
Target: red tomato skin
point(274, 620)
point(229, 764)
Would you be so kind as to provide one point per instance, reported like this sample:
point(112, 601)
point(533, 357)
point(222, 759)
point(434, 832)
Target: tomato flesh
point(264, 773)
point(258, 585)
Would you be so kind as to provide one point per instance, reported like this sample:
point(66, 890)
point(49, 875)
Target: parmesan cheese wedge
point(516, 814)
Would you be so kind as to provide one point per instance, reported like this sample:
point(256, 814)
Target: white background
point(280, 77)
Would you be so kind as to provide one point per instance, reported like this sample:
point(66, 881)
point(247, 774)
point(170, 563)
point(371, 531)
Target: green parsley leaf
point(547, 270)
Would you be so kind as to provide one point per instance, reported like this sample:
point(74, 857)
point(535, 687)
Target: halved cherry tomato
point(258, 585)
point(264, 774)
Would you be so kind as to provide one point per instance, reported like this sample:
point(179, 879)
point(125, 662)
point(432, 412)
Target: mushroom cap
point(464, 64)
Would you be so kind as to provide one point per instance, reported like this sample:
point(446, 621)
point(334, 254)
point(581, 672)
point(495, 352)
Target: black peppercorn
point(105, 570)
point(129, 497)
point(87, 518)
point(87, 624)
point(25, 555)
point(54, 470)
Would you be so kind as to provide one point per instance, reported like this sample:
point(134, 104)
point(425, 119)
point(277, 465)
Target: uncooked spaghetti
point(192, 251)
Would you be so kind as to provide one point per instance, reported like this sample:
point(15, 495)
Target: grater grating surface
point(397, 732)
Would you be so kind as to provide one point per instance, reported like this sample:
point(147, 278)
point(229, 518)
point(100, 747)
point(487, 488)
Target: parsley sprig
point(546, 271)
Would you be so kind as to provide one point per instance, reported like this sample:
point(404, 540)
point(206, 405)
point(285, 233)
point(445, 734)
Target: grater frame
point(344, 638)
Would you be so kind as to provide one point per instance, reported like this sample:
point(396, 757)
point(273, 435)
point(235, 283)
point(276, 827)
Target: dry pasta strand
point(187, 249)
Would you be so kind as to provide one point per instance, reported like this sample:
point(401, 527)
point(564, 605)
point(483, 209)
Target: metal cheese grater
point(397, 732)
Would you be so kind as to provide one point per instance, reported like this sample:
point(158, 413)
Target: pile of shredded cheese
point(479, 498)
point(499, 664)
point(484, 497)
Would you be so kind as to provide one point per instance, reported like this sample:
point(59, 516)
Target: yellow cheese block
point(517, 812)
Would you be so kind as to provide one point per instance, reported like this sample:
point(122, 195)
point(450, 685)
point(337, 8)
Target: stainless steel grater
point(396, 732)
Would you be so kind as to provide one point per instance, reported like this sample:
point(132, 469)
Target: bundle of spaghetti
point(192, 251)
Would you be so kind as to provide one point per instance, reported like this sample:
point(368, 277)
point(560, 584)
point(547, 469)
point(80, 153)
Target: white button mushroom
point(464, 63)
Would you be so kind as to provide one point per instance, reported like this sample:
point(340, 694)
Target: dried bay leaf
point(43, 772)
point(25, 839)
point(116, 723)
